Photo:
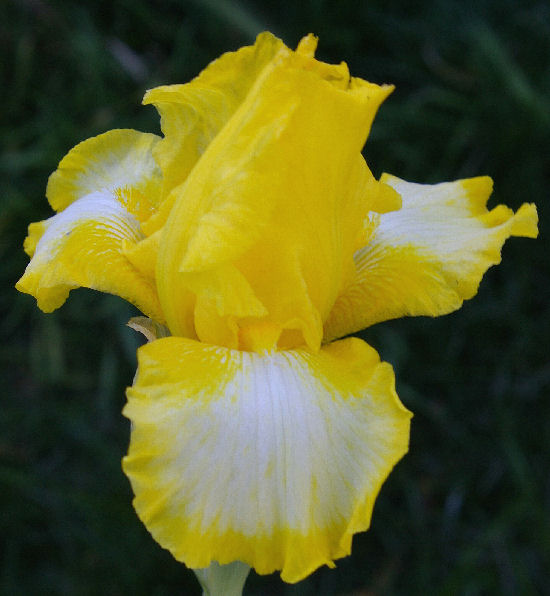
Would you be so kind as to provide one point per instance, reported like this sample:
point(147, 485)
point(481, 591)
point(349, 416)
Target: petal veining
point(274, 460)
point(429, 256)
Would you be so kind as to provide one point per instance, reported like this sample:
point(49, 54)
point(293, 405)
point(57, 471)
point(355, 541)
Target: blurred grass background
point(467, 511)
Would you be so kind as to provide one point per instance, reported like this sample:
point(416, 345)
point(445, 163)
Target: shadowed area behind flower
point(474, 522)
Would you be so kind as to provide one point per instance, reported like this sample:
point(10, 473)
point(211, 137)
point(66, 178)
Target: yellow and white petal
point(281, 194)
point(274, 460)
point(430, 256)
point(118, 160)
point(82, 246)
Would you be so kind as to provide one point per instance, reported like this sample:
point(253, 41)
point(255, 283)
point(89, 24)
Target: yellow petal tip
point(526, 221)
point(307, 45)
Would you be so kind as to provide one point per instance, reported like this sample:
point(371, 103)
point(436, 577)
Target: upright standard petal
point(104, 189)
point(193, 113)
point(274, 460)
point(428, 257)
point(272, 211)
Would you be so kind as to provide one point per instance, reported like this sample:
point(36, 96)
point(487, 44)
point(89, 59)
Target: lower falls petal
point(103, 190)
point(82, 246)
point(429, 256)
point(271, 459)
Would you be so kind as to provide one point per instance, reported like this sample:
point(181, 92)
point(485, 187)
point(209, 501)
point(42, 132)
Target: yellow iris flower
point(253, 236)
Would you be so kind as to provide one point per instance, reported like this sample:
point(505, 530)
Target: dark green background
point(467, 511)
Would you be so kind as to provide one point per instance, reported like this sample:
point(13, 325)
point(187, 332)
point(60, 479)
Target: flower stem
point(223, 580)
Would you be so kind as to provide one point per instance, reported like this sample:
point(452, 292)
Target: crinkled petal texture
point(193, 113)
point(103, 190)
point(261, 237)
point(429, 256)
point(274, 460)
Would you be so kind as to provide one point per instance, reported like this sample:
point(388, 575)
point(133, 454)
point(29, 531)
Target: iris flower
point(253, 237)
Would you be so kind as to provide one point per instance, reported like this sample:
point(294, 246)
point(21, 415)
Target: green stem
point(223, 580)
